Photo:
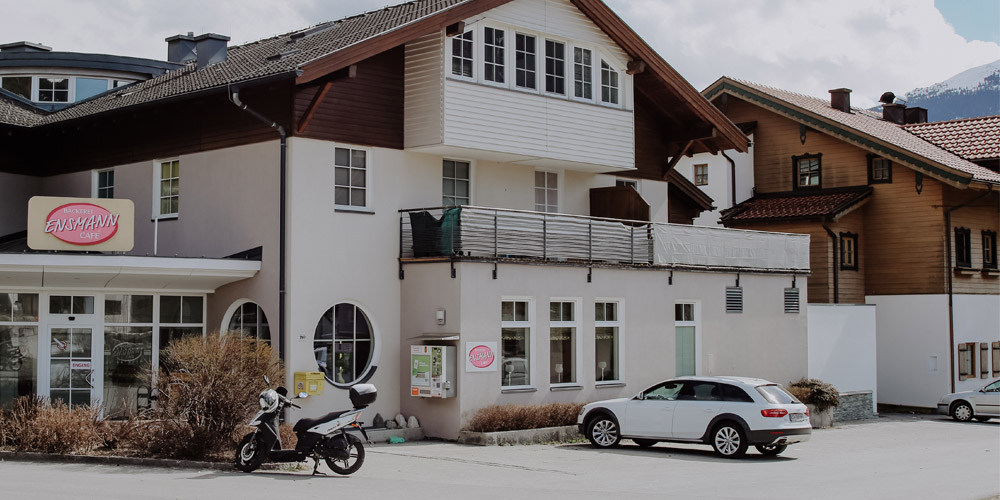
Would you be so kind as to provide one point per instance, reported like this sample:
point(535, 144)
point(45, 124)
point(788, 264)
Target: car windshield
point(774, 393)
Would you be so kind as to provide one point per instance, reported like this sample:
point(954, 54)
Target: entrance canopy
point(121, 272)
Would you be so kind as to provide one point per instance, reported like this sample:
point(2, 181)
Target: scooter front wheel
point(249, 453)
point(354, 460)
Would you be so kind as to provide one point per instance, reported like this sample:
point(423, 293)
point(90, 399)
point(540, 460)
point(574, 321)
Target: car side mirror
point(639, 397)
point(303, 395)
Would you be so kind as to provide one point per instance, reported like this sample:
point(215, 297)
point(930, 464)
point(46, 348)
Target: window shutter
point(791, 300)
point(963, 361)
point(734, 299)
point(984, 360)
point(996, 359)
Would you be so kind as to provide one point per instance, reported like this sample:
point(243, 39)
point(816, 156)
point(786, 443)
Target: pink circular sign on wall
point(481, 356)
point(82, 224)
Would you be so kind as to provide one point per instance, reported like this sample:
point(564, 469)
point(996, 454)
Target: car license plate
point(798, 417)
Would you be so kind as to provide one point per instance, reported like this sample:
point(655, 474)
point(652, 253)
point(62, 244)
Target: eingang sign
point(81, 224)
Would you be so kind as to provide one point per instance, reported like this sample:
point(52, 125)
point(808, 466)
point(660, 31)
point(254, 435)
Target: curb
point(22, 456)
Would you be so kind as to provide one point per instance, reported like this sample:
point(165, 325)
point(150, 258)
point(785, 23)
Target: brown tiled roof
point(860, 128)
point(269, 57)
point(971, 138)
point(14, 112)
point(826, 203)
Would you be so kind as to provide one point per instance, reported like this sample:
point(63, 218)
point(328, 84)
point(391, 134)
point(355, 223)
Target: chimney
point(181, 48)
point(210, 48)
point(915, 114)
point(895, 113)
point(840, 99)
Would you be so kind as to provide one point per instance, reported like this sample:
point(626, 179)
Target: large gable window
point(461, 55)
point(555, 67)
point(807, 170)
point(525, 55)
point(609, 83)
point(583, 77)
point(493, 56)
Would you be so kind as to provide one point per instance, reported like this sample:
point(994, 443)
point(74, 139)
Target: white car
point(981, 404)
point(730, 413)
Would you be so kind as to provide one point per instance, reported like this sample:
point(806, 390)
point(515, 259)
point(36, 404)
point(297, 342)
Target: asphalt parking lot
point(896, 456)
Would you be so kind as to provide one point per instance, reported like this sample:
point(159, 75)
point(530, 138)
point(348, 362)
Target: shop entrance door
point(72, 376)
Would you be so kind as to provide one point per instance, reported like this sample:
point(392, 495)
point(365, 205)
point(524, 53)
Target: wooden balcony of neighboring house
point(499, 235)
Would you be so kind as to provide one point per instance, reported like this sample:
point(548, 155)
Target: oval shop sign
point(82, 224)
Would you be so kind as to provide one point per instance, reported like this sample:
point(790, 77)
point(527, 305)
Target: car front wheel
point(729, 441)
point(962, 412)
point(603, 431)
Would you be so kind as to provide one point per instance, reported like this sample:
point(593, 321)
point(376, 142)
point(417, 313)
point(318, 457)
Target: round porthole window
point(344, 344)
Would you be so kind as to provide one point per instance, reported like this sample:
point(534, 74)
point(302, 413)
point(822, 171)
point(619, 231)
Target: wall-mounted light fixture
point(440, 316)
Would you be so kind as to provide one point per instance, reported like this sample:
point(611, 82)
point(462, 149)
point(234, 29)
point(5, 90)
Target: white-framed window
point(249, 319)
point(57, 88)
point(555, 67)
point(351, 178)
point(583, 73)
point(564, 349)
point(494, 43)
point(609, 83)
point(456, 183)
point(103, 183)
point(19, 354)
point(546, 191)
point(180, 316)
point(53, 89)
point(462, 55)
point(685, 338)
point(129, 323)
point(167, 189)
point(516, 323)
point(607, 341)
point(344, 344)
point(525, 61)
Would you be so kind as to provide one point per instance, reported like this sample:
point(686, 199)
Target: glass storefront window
point(562, 342)
point(606, 326)
point(128, 355)
point(515, 342)
point(18, 361)
point(19, 307)
point(128, 309)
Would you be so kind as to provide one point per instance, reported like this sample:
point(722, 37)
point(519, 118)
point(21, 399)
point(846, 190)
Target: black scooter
point(324, 438)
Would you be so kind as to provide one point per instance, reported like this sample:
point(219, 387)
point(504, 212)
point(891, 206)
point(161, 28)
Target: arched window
point(249, 318)
point(343, 344)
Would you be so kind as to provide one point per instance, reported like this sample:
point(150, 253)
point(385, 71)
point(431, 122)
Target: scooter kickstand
point(316, 471)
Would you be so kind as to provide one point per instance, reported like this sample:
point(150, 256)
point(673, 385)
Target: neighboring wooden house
point(899, 216)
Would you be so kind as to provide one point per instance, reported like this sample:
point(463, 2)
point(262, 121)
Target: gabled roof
point(860, 128)
point(16, 111)
point(699, 198)
point(825, 204)
point(971, 138)
point(311, 54)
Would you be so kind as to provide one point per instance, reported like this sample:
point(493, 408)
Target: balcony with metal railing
point(470, 233)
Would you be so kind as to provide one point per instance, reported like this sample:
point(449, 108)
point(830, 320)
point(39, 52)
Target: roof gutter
point(234, 97)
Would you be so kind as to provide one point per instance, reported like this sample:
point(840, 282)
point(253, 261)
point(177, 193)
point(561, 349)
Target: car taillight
point(807, 411)
point(774, 412)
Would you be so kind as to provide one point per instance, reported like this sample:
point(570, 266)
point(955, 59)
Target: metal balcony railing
point(498, 233)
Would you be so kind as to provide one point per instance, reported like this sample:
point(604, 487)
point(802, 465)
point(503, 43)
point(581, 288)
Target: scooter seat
point(307, 423)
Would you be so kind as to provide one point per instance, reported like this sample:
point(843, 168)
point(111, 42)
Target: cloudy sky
point(808, 46)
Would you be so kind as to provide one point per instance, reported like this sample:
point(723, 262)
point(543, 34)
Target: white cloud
point(808, 46)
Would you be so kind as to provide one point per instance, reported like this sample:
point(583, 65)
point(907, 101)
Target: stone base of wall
point(529, 436)
point(854, 406)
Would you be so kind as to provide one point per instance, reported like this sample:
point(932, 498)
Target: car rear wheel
point(729, 441)
point(771, 449)
point(961, 412)
point(644, 443)
point(603, 431)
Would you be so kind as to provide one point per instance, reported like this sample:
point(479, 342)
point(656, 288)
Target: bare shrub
point(55, 428)
point(207, 392)
point(815, 392)
point(497, 418)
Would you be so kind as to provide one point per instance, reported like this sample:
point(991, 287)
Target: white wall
point(720, 181)
point(912, 345)
point(977, 319)
point(842, 347)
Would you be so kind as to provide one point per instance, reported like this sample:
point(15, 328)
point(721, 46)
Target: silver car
point(982, 404)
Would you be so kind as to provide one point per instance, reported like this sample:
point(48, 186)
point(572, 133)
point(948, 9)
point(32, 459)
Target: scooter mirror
point(303, 395)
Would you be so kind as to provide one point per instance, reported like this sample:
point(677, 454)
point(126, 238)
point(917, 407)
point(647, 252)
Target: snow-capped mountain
point(971, 93)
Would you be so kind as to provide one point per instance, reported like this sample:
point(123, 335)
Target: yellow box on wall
point(310, 383)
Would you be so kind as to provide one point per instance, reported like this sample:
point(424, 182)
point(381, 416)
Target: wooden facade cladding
point(619, 202)
point(203, 122)
point(901, 232)
point(366, 109)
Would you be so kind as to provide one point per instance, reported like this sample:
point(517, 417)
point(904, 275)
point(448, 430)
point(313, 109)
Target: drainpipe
point(951, 285)
point(234, 97)
point(732, 176)
point(836, 265)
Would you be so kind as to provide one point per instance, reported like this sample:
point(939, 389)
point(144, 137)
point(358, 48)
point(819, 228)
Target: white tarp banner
point(707, 246)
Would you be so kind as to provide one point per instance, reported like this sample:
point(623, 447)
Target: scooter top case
point(363, 395)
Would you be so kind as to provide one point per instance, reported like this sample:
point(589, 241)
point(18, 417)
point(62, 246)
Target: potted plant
point(820, 397)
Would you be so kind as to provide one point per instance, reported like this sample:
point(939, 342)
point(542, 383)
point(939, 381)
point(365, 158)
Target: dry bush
point(17, 416)
point(35, 426)
point(207, 392)
point(815, 392)
point(518, 417)
point(288, 437)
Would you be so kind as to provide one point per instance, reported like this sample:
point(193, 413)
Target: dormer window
point(461, 55)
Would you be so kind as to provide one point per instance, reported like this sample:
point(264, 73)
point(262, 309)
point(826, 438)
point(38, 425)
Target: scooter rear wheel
point(356, 457)
point(249, 453)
